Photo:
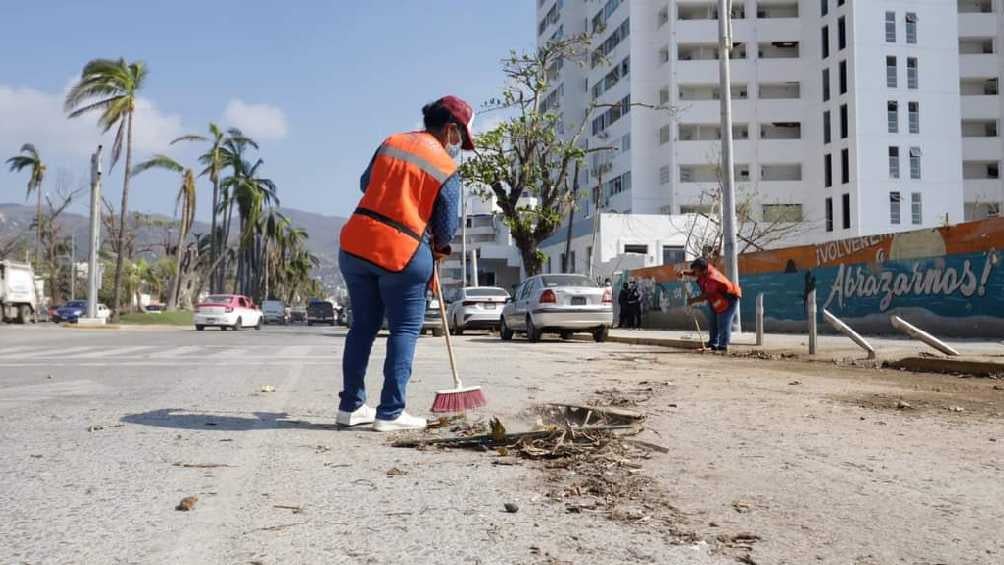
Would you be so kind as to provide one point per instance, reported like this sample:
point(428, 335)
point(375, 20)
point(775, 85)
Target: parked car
point(298, 314)
point(51, 312)
point(476, 308)
point(274, 312)
point(225, 311)
point(560, 304)
point(432, 321)
point(153, 309)
point(320, 312)
point(76, 309)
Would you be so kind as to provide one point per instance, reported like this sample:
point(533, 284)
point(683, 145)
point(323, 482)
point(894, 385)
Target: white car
point(476, 308)
point(225, 311)
point(560, 304)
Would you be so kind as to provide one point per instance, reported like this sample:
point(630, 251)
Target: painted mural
point(949, 280)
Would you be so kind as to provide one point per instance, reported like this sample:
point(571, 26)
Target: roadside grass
point(176, 318)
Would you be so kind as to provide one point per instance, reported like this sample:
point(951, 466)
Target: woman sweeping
point(404, 222)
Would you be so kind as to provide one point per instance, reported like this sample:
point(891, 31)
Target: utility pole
point(731, 259)
point(463, 235)
point(73, 266)
point(95, 236)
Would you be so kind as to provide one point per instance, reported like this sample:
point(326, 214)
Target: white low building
point(492, 257)
point(606, 244)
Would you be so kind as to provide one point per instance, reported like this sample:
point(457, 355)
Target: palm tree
point(252, 194)
point(215, 159)
point(111, 87)
point(30, 159)
point(184, 208)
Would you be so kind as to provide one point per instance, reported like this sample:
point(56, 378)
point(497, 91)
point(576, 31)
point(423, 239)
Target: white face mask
point(453, 149)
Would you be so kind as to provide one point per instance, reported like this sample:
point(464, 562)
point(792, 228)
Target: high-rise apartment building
point(854, 117)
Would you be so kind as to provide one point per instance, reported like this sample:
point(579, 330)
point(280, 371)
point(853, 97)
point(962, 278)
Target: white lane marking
point(35, 393)
point(228, 354)
point(113, 351)
point(60, 352)
point(176, 352)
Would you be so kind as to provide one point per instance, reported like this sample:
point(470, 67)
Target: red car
point(225, 311)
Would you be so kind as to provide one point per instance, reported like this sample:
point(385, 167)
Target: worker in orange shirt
point(722, 296)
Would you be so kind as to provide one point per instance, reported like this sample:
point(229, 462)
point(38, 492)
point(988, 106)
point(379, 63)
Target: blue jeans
point(374, 293)
point(720, 325)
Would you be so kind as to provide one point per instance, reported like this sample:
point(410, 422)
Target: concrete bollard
point(843, 328)
point(811, 313)
point(920, 334)
point(759, 319)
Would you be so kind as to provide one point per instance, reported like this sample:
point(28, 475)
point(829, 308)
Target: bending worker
point(722, 296)
point(405, 220)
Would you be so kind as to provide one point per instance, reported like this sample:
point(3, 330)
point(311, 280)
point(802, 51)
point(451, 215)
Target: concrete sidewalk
point(978, 357)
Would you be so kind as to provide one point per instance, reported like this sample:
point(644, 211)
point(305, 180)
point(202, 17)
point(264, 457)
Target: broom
point(458, 398)
point(690, 312)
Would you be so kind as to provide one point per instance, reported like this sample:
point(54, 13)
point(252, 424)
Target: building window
point(664, 134)
point(827, 170)
point(913, 113)
point(673, 254)
point(846, 201)
point(892, 115)
point(890, 72)
point(911, 27)
point(894, 214)
point(663, 16)
point(824, 7)
point(841, 33)
point(912, 78)
point(826, 41)
point(915, 155)
point(894, 162)
point(664, 174)
point(826, 84)
point(626, 142)
point(845, 166)
point(664, 96)
point(843, 121)
point(890, 27)
point(829, 214)
point(843, 77)
point(589, 259)
point(826, 127)
point(639, 248)
point(916, 208)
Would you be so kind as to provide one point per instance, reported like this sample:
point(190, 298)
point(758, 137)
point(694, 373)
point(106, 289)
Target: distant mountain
point(323, 233)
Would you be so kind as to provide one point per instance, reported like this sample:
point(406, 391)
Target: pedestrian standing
point(405, 220)
point(634, 306)
point(623, 308)
point(722, 296)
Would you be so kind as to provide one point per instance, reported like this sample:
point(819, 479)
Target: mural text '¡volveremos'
point(925, 278)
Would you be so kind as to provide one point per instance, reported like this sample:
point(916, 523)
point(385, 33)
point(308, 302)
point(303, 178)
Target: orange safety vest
point(407, 173)
point(717, 297)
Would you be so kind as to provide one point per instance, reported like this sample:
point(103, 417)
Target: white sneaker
point(363, 415)
point(403, 422)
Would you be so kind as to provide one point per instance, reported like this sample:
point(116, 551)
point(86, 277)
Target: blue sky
point(318, 82)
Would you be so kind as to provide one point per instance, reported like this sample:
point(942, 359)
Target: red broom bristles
point(460, 400)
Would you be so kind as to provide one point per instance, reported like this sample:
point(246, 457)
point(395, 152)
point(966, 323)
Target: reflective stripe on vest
point(406, 176)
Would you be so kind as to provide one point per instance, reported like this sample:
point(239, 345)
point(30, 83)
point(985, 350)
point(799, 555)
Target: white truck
point(18, 298)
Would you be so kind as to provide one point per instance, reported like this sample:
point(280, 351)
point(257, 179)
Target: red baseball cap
point(463, 113)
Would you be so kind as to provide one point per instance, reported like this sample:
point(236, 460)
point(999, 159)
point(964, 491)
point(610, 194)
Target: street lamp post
point(731, 259)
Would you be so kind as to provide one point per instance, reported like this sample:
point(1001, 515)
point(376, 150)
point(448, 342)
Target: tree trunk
point(172, 297)
point(528, 252)
point(213, 236)
point(38, 223)
point(119, 259)
point(224, 242)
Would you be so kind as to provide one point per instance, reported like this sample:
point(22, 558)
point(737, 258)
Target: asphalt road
point(102, 433)
point(96, 428)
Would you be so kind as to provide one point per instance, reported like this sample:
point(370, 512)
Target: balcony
point(706, 51)
point(985, 86)
point(981, 149)
point(976, 46)
point(778, 50)
point(781, 130)
point(977, 107)
point(978, 66)
point(976, 6)
point(980, 170)
point(979, 128)
point(709, 173)
point(976, 24)
point(696, 92)
point(711, 132)
point(775, 9)
point(689, 11)
point(780, 91)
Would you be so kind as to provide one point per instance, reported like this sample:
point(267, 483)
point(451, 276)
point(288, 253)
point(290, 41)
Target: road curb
point(656, 341)
point(941, 365)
